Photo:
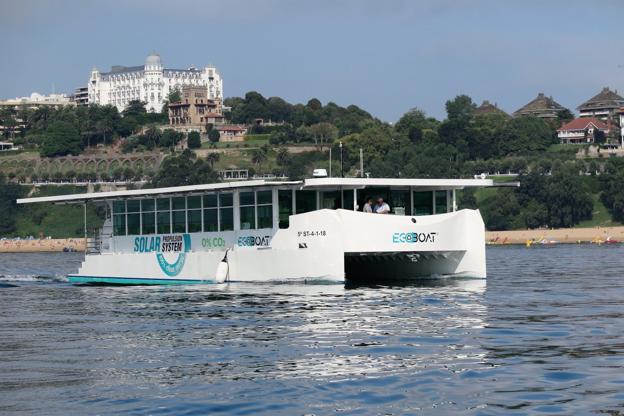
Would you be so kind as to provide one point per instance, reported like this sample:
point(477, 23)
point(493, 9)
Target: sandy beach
point(563, 235)
point(45, 245)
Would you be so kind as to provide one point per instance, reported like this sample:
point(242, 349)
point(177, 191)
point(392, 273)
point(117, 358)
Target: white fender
point(222, 271)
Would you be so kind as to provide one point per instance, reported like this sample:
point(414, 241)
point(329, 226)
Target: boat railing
point(94, 241)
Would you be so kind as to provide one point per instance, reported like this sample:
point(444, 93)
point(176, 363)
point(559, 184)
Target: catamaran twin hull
point(324, 245)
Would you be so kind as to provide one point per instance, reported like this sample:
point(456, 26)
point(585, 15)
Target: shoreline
point(42, 245)
point(595, 235)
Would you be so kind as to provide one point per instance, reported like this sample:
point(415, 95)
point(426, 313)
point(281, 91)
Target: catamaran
point(263, 230)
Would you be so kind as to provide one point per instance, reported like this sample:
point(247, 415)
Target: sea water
point(544, 334)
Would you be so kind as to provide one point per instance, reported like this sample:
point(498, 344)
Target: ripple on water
point(543, 335)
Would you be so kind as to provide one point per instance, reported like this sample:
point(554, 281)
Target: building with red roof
point(582, 130)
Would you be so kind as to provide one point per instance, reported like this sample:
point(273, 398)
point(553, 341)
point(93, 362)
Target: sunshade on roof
point(315, 183)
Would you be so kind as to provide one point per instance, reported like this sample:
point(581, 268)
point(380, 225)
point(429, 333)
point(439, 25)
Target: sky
point(385, 56)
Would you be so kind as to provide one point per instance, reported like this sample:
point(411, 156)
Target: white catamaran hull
point(324, 245)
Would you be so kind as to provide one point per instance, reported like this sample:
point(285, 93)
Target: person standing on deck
point(382, 207)
point(368, 206)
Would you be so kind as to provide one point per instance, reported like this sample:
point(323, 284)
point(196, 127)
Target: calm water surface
point(545, 334)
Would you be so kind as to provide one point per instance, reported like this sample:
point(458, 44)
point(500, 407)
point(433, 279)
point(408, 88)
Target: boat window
point(285, 198)
point(119, 207)
point(211, 216)
point(331, 200)
point(134, 223)
point(399, 201)
point(194, 220)
point(440, 202)
point(193, 202)
point(423, 203)
point(178, 202)
point(147, 205)
point(265, 209)
point(148, 223)
point(226, 212)
point(305, 201)
point(163, 216)
point(119, 224)
point(178, 221)
point(347, 198)
point(163, 204)
point(247, 211)
point(133, 205)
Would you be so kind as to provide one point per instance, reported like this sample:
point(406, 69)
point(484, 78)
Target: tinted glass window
point(193, 202)
point(149, 223)
point(226, 200)
point(440, 198)
point(211, 221)
point(119, 224)
point(119, 206)
point(163, 204)
point(285, 207)
point(178, 202)
point(247, 218)
point(227, 219)
point(134, 224)
point(179, 221)
point(265, 197)
point(133, 205)
point(194, 221)
point(163, 222)
point(265, 216)
point(305, 201)
point(210, 201)
point(147, 205)
point(246, 198)
point(423, 203)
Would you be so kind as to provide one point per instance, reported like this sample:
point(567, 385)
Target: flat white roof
point(315, 183)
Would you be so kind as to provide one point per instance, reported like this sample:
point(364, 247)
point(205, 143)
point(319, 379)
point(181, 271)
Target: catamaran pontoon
point(262, 230)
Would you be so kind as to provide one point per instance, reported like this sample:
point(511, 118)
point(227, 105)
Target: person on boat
point(368, 206)
point(382, 207)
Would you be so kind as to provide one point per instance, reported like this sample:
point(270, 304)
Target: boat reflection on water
point(468, 284)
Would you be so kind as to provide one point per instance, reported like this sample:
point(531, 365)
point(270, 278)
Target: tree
point(213, 158)
point(258, 157)
point(323, 133)
point(283, 157)
point(214, 135)
point(9, 193)
point(194, 140)
point(61, 139)
point(414, 124)
point(568, 199)
point(184, 169)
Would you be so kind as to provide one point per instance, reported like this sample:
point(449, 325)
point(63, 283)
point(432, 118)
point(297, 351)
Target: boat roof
point(312, 184)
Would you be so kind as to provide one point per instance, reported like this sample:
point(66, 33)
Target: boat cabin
point(260, 204)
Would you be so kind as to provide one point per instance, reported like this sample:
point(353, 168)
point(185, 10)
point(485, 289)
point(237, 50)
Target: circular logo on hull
point(174, 268)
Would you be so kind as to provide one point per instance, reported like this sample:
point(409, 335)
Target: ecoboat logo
point(164, 247)
point(398, 238)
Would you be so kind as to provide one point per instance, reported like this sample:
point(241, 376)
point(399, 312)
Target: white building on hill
point(150, 83)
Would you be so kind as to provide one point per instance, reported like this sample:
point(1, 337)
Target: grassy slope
point(57, 221)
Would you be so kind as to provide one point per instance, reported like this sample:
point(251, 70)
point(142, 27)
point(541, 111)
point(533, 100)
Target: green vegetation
point(194, 140)
point(184, 169)
point(68, 130)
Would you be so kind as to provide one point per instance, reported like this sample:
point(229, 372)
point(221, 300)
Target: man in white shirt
point(382, 207)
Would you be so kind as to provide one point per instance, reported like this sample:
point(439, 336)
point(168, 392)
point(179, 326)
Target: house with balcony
point(583, 130)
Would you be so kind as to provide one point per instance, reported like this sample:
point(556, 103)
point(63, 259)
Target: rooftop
point(315, 183)
point(488, 108)
point(540, 104)
point(604, 99)
point(583, 123)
